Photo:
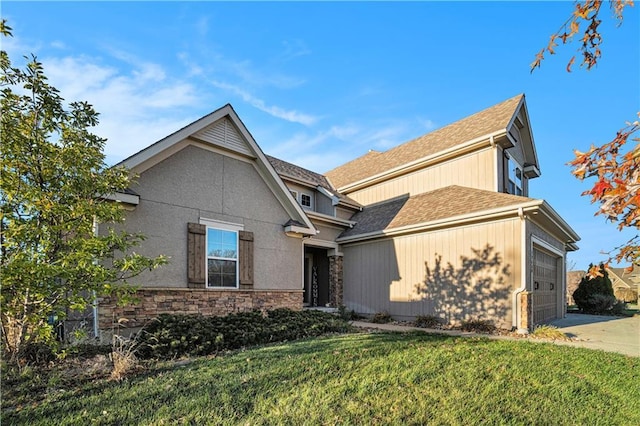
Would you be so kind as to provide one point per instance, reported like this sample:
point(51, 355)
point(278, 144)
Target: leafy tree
point(54, 189)
point(614, 165)
point(594, 295)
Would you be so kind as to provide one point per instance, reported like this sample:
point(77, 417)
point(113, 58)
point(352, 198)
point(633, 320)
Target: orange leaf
point(573, 58)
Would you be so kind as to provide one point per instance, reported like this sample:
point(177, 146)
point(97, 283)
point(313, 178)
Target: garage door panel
point(545, 286)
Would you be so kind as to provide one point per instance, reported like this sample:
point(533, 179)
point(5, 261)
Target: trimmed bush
point(595, 295)
point(478, 326)
point(381, 318)
point(173, 336)
point(428, 321)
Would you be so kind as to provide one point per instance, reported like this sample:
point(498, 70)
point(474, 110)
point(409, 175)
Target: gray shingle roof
point(286, 169)
point(490, 120)
point(435, 205)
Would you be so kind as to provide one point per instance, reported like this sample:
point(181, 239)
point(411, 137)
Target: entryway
point(316, 277)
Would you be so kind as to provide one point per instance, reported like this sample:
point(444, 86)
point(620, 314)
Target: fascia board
point(453, 221)
point(559, 222)
point(299, 230)
point(165, 143)
point(452, 152)
point(330, 219)
point(334, 200)
point(121, 197)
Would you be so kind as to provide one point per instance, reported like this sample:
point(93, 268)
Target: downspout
point(95, 299)
point(523, 274)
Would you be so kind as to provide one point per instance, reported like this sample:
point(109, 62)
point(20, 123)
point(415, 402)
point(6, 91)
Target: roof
point(483, 123)
point(289, 170)
point(629, 278)
point(442, 203)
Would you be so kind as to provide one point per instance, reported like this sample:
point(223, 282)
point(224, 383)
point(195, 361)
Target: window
point(515, 178)
point(305, 200)
point(219, 255)
point(222, 258)
point(295, 195)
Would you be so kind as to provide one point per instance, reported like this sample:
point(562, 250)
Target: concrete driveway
point(612, 334)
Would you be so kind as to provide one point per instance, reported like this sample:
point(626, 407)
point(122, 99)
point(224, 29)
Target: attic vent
point(224, 134)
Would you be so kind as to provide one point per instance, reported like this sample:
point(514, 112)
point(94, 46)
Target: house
point(625, 283)
point(441, 225)
point(573, 281)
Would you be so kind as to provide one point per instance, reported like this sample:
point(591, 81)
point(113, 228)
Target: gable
point(485, 124)
point(222, 131)
point(225, 135)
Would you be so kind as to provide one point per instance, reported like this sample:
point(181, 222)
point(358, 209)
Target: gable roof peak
point(486, 122)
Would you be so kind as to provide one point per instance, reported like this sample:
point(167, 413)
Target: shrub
point(478, 326)
point(428, 321)
point(347, 314)
point(172, 336)
point(123, 356)
point(381, 318)
point(595, 295)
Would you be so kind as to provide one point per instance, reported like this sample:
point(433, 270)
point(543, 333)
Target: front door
point(316, 277)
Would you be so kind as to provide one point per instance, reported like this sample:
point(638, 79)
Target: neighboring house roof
point(289, 171)
point(224, 131)
point(624, 277)
point(447, 206)
point(482, 124)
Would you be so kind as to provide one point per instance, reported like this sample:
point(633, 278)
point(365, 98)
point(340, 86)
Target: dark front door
point(316, 277)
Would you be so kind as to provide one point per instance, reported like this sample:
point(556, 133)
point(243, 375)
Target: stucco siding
point(344, 213)
point(196, 183)
point(457, 274)
point(475, 170)
point(327, 233)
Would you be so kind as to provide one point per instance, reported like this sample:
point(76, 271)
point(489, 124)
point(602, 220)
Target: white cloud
point(137, 106)
point(293, 49)
point(276, 111)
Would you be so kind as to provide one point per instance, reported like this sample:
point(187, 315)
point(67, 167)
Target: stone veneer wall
point(335, 281)
point(526, 311)
point(153, 302)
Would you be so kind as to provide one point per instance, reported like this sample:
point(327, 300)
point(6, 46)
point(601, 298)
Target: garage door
point(545, 286)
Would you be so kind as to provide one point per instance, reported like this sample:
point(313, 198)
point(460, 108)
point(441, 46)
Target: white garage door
point(545, 286)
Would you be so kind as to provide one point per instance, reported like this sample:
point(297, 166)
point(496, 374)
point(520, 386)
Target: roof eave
point(463, 148)
point(485, 215)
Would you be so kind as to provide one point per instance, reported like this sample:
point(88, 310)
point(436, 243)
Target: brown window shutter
point(196, 256)
point(246, 259)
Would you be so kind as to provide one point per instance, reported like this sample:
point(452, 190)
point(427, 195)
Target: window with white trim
point(305, 200)
point(222, 258)
point(515, 178)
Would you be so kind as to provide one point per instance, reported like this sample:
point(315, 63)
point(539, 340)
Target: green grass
point(364, 379)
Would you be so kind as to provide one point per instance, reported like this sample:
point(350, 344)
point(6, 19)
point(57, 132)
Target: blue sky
point(319, 84)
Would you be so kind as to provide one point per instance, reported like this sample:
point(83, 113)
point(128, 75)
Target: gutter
point(515, 313)
point(451, 221)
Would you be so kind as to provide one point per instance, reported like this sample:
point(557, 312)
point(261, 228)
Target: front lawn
point(378, 378)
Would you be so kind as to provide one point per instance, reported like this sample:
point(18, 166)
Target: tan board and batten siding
point(373, 283)
point(475, 170)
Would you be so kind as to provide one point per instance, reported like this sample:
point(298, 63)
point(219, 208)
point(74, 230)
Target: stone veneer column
point(335, 281)
point(526, 312)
